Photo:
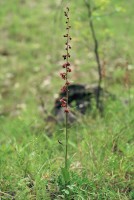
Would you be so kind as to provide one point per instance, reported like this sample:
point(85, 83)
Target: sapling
point(96, 51)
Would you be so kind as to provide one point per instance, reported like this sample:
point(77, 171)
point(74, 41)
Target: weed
point(64, 100)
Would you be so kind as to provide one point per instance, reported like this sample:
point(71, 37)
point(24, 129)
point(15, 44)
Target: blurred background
point(32, 44)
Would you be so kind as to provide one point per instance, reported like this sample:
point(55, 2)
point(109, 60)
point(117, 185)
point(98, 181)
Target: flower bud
point(66, 110)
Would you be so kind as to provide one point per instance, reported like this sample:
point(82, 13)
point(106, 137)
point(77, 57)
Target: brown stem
point(96, 51)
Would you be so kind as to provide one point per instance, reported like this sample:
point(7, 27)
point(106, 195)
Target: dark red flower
point(67, 83)
point(63, 75)
point(66, 110)
point(64, 89)
point(63, 102)
point(68, 69)
point(64, 56)
point(64, 65)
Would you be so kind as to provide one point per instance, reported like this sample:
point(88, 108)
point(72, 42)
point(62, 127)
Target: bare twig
point(96, 51)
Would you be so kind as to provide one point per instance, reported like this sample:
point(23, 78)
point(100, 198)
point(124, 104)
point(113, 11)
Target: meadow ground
point(101, 149)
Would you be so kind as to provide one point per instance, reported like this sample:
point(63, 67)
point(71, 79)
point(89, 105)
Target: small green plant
point(64, 100)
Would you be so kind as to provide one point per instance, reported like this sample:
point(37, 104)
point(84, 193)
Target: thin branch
point(96, 51)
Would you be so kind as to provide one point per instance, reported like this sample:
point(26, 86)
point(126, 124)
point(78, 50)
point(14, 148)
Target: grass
point(101, 150)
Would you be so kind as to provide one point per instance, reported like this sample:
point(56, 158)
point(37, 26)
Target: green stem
point(66, 125)
point(66, 150)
